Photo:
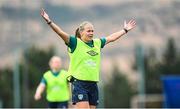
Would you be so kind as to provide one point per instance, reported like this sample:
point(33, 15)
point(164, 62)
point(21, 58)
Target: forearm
point(113, 37)
point(40, 89)
point(56, 28)
point(60, 32)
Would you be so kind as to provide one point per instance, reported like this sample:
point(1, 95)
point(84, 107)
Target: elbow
point(112, 40)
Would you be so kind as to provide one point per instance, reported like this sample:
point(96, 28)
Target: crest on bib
point(80, 96)
point(92, 53)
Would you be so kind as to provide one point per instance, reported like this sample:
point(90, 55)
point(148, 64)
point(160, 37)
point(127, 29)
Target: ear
point(81, 32)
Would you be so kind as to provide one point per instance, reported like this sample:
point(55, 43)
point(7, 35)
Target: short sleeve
point(43, 80)
point(103, 42)
point(72, 43)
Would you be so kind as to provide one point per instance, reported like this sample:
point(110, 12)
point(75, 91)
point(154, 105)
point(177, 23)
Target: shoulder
point(72, 43)
point(47, 73)
point(72, 40)
point(63, 71)
point(97, 40)
point(101, 41)
point(43, 81)
point(72, 37)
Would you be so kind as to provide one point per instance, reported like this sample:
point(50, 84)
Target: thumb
point(42, 12)
point(125, 23)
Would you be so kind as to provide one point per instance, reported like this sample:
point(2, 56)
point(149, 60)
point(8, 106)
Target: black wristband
point(49, 22)
point(125, 30)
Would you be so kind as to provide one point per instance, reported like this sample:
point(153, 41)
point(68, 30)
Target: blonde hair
point(81, 28)
point(52, 58)
point(83, 24)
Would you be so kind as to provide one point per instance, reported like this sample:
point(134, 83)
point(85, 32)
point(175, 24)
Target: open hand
point(45, 15)
point(37, 97)
point(130, 25)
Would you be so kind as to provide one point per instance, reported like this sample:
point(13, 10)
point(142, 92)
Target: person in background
point(55, 83)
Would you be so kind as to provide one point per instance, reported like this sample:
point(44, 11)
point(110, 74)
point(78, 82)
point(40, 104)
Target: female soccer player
point(84, 52)
point(56, 85)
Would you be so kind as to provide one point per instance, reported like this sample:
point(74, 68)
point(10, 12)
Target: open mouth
point(90, 36)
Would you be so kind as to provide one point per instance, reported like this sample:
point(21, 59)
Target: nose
point(91, 32)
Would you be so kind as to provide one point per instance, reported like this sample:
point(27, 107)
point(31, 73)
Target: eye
point(90, 31)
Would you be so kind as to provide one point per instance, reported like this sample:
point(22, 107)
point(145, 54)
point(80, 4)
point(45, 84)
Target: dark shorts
point(63, 105)
point(85, 91)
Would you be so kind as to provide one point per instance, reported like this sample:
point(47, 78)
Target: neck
point(54, 70)
point(86, 41)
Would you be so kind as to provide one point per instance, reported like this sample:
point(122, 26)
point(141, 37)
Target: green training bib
point(85, 61)
point(57, 86)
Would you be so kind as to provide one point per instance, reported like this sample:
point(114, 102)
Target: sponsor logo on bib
point(80, 96)
point(92, 53)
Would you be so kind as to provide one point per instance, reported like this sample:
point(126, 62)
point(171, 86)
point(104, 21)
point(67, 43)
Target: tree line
point(117, 92)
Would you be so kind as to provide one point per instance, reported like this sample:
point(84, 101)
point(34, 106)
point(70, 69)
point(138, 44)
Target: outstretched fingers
point(132, 21)
point(42, 12)
point(125, 24)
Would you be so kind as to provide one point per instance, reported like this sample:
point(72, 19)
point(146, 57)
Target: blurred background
point(132, 68)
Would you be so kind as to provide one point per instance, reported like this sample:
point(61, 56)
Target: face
point(88, 33)
point(55, 64)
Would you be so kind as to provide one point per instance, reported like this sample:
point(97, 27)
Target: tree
point(6, 85)
point(155, 69)
point(152, 73)
point(118, 92)
point(170, 60)
point(169, 56)
point(32, 66)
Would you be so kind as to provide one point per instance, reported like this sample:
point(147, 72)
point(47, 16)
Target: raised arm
point(56, 28)
point(127, 27)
